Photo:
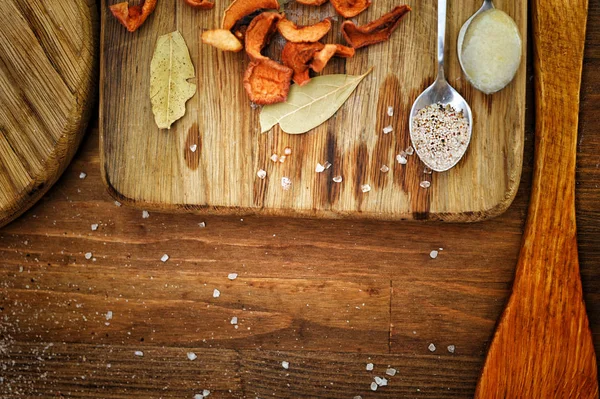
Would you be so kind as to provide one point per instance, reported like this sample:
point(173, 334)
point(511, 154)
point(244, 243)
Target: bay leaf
point(170, 69)
point(310, 105)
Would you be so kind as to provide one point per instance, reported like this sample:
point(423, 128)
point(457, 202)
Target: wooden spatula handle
point(543, 346)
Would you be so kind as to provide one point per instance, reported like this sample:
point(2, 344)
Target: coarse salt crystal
point(138, 353)
point(369, 367)
point(431, 347)
point(409, 150)
point(401, 159)
point(164, 258)
point(388, 129)
point(145, 214)
point(232, 276)
point(425, 184)
point(451, 348)
point(261, 174)
point(82, 175)
point(193, 147)
point(216, 293)
point(274, 158)
point(391, 372)
point(192, 356)
point(433, 254)
point(337, 179)
point(286, 183)
point(390, 110)
point(109, 315)
point(88, 255)
point(282, 158)
point(365, 188)
point(117, 203)
point(384, 169)
point(285, 365)
point(205, 392)
point(327, 164)
point(373, 386)
point(234, 320)
point(358, 397)
point(287, 151)
point(198, 396)
point(94, 227)
point(381, 381)
point(320, 168)
point(202, 225)
point(427, 170)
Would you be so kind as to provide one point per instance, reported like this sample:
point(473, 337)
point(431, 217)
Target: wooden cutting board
point(47, 65)
point(153, 169)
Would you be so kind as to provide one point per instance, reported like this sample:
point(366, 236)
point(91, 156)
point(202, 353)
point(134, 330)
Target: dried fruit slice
point(312, 2)
point(376, 31)
point(350, 8)
point(298, 56)
point(322, 57)
point(259, 33)
point(238, 9)
point(204, 4)
point(221, 39)
point(132, 17)
point(344, 51)
point(267, 81)
point(298, 34)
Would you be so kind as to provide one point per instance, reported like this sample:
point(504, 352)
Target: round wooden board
point(47, 69)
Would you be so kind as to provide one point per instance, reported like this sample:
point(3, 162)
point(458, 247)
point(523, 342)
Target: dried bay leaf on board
point(170, 69)
point(310, 105)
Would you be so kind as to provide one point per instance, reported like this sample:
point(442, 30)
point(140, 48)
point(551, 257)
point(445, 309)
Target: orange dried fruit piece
point(298, 57)
point(350, 8)
point(376, 31)
point(238, 9)
point(132, 17)
point(298, 34)
point(259, 33)
point(312, 2)
point(267, 81)
point(222, 39)
point(204, 4)
point(322, 57)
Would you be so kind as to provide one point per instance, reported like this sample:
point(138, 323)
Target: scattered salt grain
point(198, 396)
point(202, 225)
point(358, 397)
point(234, 320)
point(433, 254)
point(384, 169)
point(320, 168)
point(391, 372)
point(327, 164)
point(285, 365)
point(381, 381)
point(95, 227)
point(282, 158)
point(286, 183)
point(337, 179)
point(216, 293)
point(193, 147)
point(117, 203)
point(373, 386)
point(401, 159)
point(427, 170)
point(390, 110)
point(232, 276)
point(82, 175)
point(388, 129)
point(425, 184)
point(274, 158)
point(451, 348)
point(287, 151)
point(138, 353)
point(192, 356)
point(409, 150)
point(205, 392)
point(88, 255)
point(365, 188)
point(261, 174)
point(369, 366)
point(145, 214)
point(431, 347)
point(109, 315)
point(164, 258)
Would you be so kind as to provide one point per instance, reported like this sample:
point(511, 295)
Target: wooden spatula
point(543, 346)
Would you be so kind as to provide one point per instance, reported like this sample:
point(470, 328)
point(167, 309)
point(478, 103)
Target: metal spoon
point(487, 5)
point(441, 92)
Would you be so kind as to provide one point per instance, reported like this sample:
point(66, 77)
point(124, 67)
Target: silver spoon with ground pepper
point(440, 119)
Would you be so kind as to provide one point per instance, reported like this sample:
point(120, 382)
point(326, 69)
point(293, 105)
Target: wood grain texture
point(543, 345)
point(48, 55)
point(154, 169)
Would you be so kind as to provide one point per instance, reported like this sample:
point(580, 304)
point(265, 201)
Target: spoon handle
point(441, 39)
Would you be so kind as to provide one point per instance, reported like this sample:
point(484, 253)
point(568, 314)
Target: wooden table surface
point(326, 296)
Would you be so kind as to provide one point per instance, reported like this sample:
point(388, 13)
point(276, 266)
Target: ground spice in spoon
point(440, 135)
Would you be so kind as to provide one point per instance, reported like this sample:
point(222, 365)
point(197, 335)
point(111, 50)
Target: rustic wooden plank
point(153, 169)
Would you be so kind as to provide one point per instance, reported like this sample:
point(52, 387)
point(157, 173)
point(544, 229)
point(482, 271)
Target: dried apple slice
point(322, 57)
point(350, 8)
point(259, 33)
point(222, 39)
point(299, 34)
point(132, 17)
point(298, 56)
point(238, 9)
point(376, 31)
point(267, 81)
point(204, 4)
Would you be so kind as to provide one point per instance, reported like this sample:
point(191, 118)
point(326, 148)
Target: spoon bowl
point(487, 5)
